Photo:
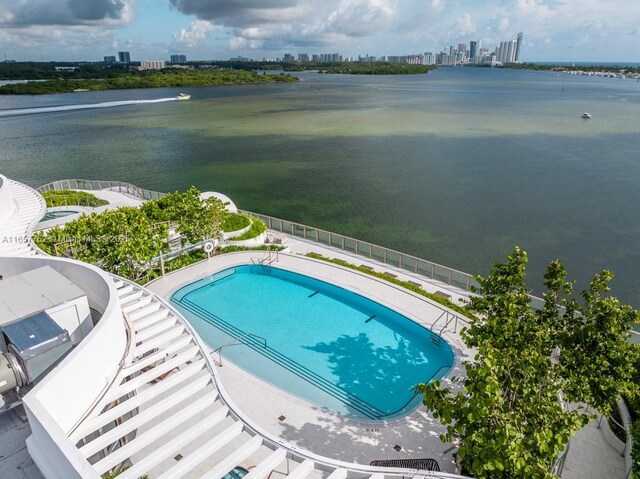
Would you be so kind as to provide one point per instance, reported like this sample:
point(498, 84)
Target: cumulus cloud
point(195, 35)
point(28, 13)
point(293, 22)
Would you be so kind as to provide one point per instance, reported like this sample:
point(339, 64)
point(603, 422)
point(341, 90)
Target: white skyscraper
point(511, 51)
point(518, 47)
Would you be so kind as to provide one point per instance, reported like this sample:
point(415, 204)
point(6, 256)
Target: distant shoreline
point(148, 79)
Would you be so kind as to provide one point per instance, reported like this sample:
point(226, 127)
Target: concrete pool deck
point(313, 428)
point(309, 426)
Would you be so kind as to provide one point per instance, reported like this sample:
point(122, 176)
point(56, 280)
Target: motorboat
point(183, 96)
point(586, 115)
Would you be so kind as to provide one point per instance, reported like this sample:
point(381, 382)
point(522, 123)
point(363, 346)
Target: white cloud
point(378, 27)
point(195, 35)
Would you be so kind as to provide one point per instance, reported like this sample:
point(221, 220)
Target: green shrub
point(257, 228)
point(235, 222)
point(70, 197)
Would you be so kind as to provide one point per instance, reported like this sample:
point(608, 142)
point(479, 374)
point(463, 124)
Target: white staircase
point(15, 237)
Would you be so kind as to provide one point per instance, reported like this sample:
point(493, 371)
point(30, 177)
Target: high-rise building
point(511, 51)
point(462, 48)
point(124, 57)
point(429, 58)
point(179, 59)
point(110, 59)
point(518, 47)
point(288, 58)
point(473, 49)
point(152, 65)
point(303, 57)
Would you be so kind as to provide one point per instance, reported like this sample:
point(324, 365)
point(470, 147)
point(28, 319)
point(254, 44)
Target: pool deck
point(307, 425)
point(310, 427)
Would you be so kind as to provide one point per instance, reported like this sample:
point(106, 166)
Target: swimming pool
point(315, 340)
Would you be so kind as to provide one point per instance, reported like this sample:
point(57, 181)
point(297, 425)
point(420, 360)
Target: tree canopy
point(507, 415)
point(127, 240)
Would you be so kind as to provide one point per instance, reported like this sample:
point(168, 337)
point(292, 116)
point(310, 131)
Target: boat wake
point(84, 106)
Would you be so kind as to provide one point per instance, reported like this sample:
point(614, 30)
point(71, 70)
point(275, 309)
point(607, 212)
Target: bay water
point(456, 166)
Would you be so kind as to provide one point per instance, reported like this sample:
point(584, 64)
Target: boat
point(183, 96)
point(586, 115)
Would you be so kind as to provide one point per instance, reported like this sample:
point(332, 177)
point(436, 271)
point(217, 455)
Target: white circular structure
point(230, 206)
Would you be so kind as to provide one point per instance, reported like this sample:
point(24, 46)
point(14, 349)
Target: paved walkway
point(590, 457)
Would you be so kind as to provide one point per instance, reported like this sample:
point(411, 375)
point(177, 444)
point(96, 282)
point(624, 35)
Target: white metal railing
point(94, 185)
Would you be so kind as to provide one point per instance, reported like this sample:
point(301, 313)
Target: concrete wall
point(7, 206)
point(68, 392)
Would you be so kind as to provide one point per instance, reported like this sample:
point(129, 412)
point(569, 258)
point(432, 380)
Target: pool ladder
point(448, 318)
point(236, 342)
point(270, 257)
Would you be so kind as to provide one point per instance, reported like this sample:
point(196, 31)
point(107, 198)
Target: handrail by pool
point(237, 341)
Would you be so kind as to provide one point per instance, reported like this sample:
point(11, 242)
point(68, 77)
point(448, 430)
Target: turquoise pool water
point(317, 341)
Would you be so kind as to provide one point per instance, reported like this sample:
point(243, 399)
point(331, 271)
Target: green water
point(456, 166)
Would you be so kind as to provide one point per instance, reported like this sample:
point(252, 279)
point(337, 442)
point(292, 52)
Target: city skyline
point(556, 30)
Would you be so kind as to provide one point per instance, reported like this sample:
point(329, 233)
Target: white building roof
point(34, 291)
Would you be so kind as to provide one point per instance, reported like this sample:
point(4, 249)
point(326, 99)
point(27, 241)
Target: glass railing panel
point(364, 249)
point(311, 234)
point(336, 241)
point(324, 237)
point(350, 245)
point(298, 230)
point(442, 273)
point(276, 225)
point(287, 227)
point(461, 280)
point(425, 268)
point(378, 253)
point(393, 258)
point(409, 263)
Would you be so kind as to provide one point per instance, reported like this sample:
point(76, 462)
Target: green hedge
point(235, 222)
point(399, 282)
point(257, 228)
point(70, 197)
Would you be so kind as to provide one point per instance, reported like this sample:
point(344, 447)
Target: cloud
point(195, 35)
point(27, 13)
point(280, 23)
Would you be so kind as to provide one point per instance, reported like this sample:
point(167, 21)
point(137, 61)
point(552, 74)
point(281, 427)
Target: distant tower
point(511, 51)
point(124, 57)
point(518, 46)
point(473, 49)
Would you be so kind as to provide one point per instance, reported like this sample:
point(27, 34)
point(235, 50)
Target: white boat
point(586, 115)
point(183, 96)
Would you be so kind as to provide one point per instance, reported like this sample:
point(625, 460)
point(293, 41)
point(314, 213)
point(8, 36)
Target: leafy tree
point(196, 219)
point(121, 241)
point(506, 415)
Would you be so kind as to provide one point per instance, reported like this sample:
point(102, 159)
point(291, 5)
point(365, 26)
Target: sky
point(76, 30)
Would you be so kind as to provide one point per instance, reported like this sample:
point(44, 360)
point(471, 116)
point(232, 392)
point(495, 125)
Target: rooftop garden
point(128, 241)
point(72, 198)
